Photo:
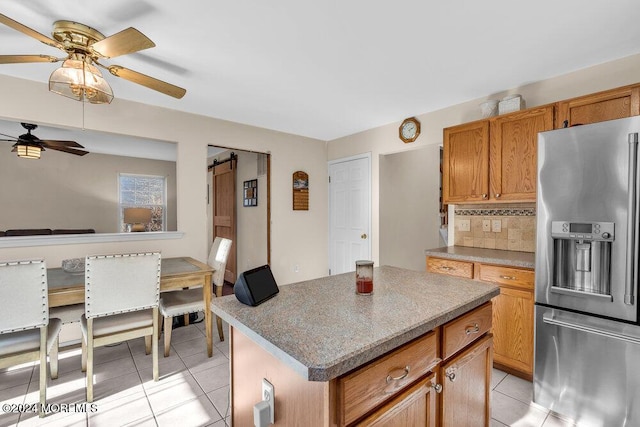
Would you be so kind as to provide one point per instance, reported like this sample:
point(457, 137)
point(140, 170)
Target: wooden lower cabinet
point(513, 311)
point(513, 331)
point(512, 317)
point(466, 387)
point(454, 393)
point(414, 407)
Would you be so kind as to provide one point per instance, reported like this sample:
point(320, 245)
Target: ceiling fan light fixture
point(28, 151)
point(77, 79)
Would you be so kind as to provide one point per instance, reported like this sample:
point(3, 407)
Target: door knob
point(363, 236)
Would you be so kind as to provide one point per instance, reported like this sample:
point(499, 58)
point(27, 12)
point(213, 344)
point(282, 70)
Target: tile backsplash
point(517, 225)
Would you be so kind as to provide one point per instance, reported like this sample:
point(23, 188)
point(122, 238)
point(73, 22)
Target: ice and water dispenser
point(582, 257)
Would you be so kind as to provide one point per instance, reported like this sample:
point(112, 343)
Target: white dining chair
point(186, 301)
point(121, 302)
point(27, 334)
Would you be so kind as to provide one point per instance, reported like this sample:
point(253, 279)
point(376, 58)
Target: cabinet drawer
point(450, 267)
point(367, 387)
point(515, 277)
point(460, 332)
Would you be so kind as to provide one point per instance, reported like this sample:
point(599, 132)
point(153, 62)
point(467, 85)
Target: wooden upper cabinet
point(598, 107)
point(513, 153)
point(465, 168)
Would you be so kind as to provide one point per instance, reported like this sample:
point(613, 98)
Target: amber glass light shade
point(79, 80)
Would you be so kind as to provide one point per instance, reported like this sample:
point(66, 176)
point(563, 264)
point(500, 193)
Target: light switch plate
point(496, 225)
point(268, 394)
point(464, 225)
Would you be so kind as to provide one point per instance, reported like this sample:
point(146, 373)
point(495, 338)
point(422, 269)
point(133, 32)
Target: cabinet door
point(512, 318)
point(465, 162)
point(513, 330)
point(466, 387)
point(513, 153)
point(599, 107)
point(414, 407)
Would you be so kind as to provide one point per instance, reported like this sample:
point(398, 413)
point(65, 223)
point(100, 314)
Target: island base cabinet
point(466, 386)
point(298, 402)
point(414, 407)
point(453, 392)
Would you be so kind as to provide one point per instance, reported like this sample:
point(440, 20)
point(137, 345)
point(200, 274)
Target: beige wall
point(66, 191)
point(407, 231)
point(296, 238)
point(384, 140)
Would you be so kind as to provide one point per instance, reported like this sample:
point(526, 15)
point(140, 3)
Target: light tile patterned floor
point(193, 390)
point(511, 404)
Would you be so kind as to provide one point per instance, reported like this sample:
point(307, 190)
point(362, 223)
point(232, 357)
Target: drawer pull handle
point(472, 329)
point(445, 268)
point(437, 387)
point(451, 376)
point(401, 377)
point(508, 277)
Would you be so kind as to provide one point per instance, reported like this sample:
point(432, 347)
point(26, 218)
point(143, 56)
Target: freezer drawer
point(587, 368)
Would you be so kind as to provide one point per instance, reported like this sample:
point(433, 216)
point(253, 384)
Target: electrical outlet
point(268, 394)
point(464, 225)
point(496, 225)
point(486, 225)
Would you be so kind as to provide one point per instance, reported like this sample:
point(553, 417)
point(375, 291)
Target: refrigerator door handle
point(550, 320)
point(632, 239)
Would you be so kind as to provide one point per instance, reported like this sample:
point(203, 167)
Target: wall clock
point(409, 129)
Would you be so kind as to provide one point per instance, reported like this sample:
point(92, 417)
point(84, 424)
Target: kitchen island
point(337, 358)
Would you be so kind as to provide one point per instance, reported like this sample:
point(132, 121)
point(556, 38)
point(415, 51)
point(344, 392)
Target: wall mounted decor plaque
point(300, 191)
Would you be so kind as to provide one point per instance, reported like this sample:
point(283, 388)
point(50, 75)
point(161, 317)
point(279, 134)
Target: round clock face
point(409, 130)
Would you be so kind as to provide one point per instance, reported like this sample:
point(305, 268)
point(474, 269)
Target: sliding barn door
point(224, 210)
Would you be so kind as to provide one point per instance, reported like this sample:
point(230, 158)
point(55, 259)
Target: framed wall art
point(250, 193)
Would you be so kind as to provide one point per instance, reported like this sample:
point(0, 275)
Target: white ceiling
point(329, 68)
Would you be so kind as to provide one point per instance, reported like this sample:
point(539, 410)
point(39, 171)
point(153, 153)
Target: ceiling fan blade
point(144, 80)
point(122, 43)
point(68, 150)
point(30, 32)
point(13, 138)
point(51, 144)
point(21, 59)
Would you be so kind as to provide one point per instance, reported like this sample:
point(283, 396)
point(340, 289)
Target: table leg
point(206, 290)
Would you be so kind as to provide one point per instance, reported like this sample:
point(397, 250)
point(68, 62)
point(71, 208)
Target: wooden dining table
point(176, 273)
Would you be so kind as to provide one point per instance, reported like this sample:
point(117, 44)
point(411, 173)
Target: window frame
point(122, 206)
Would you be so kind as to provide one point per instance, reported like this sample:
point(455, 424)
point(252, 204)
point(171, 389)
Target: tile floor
point(193, 390)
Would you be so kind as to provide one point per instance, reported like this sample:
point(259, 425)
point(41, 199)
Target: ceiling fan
point(85, 47)
point(29, 146)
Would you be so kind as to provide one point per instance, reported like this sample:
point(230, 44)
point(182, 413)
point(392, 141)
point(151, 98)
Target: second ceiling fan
point(85, 47)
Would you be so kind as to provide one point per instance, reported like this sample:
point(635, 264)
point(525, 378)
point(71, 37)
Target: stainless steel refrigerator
point(587, 336)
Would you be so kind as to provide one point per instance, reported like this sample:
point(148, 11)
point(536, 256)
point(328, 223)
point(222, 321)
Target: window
point(144, 191)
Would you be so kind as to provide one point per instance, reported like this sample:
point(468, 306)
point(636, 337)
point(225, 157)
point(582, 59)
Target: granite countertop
point(489, 256)
point(322, 329)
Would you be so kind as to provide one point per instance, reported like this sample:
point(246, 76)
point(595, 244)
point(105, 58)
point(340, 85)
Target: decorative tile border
point(496, 212)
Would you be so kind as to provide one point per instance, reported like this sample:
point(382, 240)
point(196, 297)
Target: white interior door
point(349, 212)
